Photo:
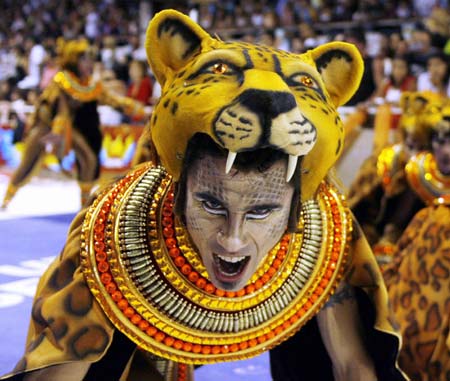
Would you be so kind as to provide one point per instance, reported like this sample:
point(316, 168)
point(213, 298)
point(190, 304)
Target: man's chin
point(228, 286)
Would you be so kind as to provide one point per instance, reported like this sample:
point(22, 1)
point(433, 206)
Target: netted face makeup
point(235, 218)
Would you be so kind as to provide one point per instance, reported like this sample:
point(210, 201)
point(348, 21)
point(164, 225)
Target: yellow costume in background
point(418, 278)
point(66, 118)
point(380, 196)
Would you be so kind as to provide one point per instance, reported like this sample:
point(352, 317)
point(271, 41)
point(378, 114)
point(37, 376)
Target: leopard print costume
point(418, 289)
point(418, 279)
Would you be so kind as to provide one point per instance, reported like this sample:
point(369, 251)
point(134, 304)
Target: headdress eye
point(303, 79)
point(306, 80)
point(220, 68)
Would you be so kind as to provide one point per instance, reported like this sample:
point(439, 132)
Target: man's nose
point(233, 237)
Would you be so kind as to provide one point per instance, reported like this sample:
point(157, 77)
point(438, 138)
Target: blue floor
point(27, 246)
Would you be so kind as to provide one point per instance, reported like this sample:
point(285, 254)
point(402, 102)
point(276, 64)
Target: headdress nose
point(267, 104)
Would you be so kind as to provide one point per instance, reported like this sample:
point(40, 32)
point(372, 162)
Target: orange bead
point(98, 228)
point(241, 292)
point(293, 319)
point(171, 242)
point(281, 254)
point(186, 269)
point(99, 236)
point(174, 252)
point(261, 339)
point(334, 256)
point(270, 335)
point(179, 261)
point(103, 266)
point(178, 344)
point(265, 278)
point(243, 345)
point(231, 294)
point(100, 256)
point(301, 312)
point(116, 296)
point(193, 276)
point(319, 290)
point(220, 292)
point(160, 336)
point(196, 348)
point(252, 342)
point(224, 349)
point(187, 347)
point(308, 305)
point(105, 278)
point(215, 349)
point(201, 282)
point(323, 283)
point(129, 312)
point(111, 287)
point(286, 325)
point(122, 304)
point(234, 348)
point(169, 341)
point(136, 318)
point(278, 330)
point(250, 288)
point(276, 264)
point(258, 284)
point(151, 331)
point(313, 298)
point(328, 274)
point(143, 325)
point(99, 246)
point(206, 349)
point(271, 271)
point(209, 288)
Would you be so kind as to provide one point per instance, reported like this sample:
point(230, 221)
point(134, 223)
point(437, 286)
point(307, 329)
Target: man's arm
point(341, 331)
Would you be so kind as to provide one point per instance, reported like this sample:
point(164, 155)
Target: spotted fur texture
point(418, 284)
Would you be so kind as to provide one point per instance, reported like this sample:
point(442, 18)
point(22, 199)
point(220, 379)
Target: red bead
point(103, 266)
point(105, 278)
point(168, 232)
point(174, 252)
point(167, 221)
point(100, 256)
point(171, 242)
point(186, 269)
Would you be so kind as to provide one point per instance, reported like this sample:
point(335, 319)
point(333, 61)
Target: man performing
point(66, 116)
point(230, 240)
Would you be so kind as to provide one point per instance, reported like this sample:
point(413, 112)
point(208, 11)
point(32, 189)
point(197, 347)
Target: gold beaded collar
point(431, 185)
point(140, 266)
point(71, 85)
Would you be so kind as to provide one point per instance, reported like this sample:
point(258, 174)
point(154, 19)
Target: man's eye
point(258, 214)
point(214, 207)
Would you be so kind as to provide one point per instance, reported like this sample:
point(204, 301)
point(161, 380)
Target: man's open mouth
point(229, 268)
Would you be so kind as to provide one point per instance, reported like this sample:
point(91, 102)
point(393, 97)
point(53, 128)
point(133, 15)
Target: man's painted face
point(235, 219)
point(441, 150)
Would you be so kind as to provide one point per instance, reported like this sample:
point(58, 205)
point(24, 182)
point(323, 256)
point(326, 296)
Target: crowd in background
point(402, 54)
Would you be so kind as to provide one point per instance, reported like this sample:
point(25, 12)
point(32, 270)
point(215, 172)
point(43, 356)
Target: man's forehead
point(209, 174)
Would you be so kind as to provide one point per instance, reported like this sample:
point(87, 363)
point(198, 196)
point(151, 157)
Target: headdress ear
point(172, 40)
point(341, 67)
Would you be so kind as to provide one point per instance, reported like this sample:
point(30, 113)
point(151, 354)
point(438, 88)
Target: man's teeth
point(231, 259)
